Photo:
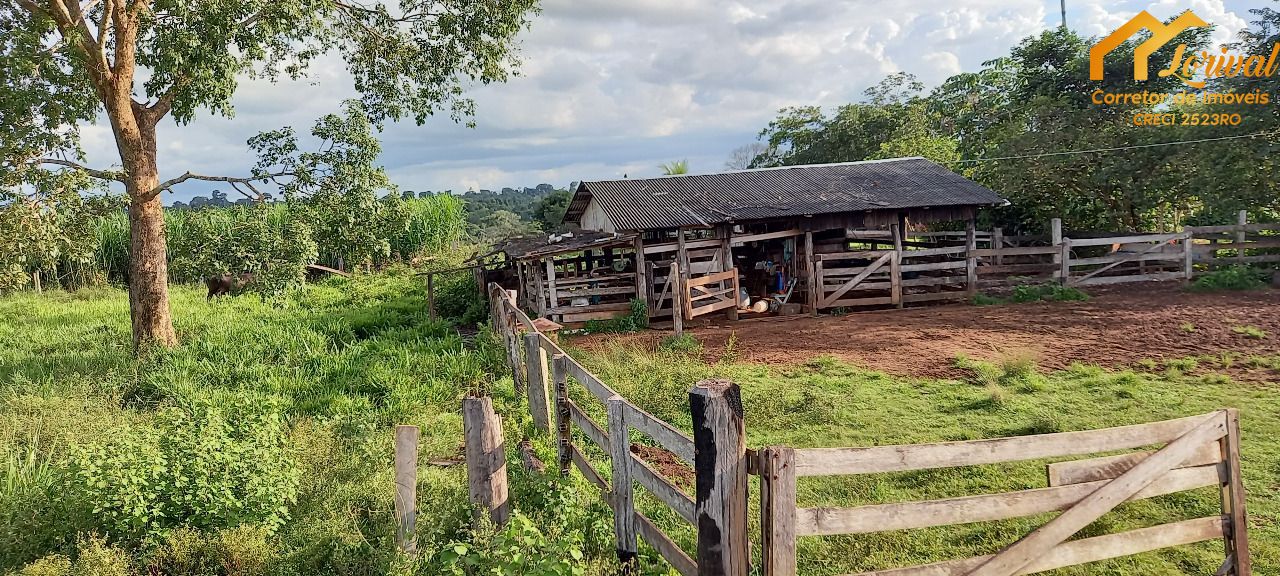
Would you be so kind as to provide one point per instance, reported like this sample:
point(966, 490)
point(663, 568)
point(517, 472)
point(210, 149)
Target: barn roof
point(709, 199)
point(540, 245)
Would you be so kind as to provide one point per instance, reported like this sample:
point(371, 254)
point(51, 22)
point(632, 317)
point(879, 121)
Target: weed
point(1250, 332)
point(1231, 278)
point(1034, 293)
point(986, 300)
point(1182, 364)
point(682, 344)
point(1187, 327)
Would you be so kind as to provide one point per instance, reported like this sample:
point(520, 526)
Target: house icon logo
point(1161, 34)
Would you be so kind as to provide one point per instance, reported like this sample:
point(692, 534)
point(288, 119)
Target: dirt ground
point(1117, 327)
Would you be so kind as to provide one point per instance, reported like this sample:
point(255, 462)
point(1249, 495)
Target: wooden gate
point(707, 294)
point(836, 281)
point(1198, 451)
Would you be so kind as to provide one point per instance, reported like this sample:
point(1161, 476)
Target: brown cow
point(228, 284)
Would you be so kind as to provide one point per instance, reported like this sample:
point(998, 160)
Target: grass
point(826, 402)
point(1231, 278)
point(1250, 332)
point(1048, 292)
point(341, 363)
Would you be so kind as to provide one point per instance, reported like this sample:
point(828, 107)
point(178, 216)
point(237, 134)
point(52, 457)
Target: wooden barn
point(796, 239)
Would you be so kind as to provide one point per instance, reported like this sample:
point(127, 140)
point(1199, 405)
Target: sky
point(610, 88)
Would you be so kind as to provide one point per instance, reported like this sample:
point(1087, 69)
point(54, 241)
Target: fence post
point(1188, 253)
point(997, 244)
point(624, 516)
point(720, 469)
point(486, 459)
point(1242, 219)
point(560, 368)
point(406, 479)
point(778, 510)
point(1055, 238)
point(1233, 499)
point(1064, 258)
point(535, 359)
point(811, 270)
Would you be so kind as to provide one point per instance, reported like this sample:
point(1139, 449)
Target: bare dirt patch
point(1117, 327)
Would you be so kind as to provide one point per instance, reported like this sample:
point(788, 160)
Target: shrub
point(240, 551)
point(637, 318)
point(212, 464)
point(1231, 278)
point(683, 344)
point(1050, 292)
point(94, 558)
point(459, 300)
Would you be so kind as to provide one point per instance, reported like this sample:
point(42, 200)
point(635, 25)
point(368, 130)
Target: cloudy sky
point(614, 87)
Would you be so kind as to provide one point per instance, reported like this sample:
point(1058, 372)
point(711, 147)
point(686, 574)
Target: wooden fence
point(551, 377)
point(1197, 452)
point(929, 270)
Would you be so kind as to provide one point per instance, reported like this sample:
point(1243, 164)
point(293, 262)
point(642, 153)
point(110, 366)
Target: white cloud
point(613, 87)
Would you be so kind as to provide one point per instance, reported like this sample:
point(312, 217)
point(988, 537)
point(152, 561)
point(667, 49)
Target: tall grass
point(419, 225)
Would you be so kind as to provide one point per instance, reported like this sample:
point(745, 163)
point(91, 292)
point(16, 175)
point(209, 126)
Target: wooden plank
point(589, 428)
point(863, 255)
point(741, 240)
point(934, 266)
point(670, 552)
point(879, 263)
point(852, 302)
point(950, 250)
point(712, 278)
point(983, 508)
point(593, 384)
point(875, 460)
point(1235, 498)
point(935, 281)
point(709, 308)
point(1235, 228)
point(1085, 550)
point(1039, 542)
point(1159, 238)
point(1122, 257)
point(674, 246)
point(612, 307)
point(406, 478)
point(664, 434)
point(778, 510)
point(553, 298)
point(1107, 467)
point(1156, 277)
point(568, 318)
point(662, 489)
point(581, 292)
point(1017, 251)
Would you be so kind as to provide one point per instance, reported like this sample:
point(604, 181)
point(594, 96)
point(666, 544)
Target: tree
point(63, 62)
point(744, 157)
point(675, 167)
point(550, 210)
point(505, 224)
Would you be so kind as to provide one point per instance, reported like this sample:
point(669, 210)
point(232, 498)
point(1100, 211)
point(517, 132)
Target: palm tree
point(675, 167)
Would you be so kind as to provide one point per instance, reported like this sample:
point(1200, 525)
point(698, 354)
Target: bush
point(637, 318)
point(683, 344)
point(240, 551)
point(459, 300)
point(1232, 278)
point(1050, 292)
point(215, 463)
point(94, 558)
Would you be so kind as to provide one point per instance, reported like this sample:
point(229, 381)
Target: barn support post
point(535, 358)
point(486, 460)
point(677, 297)
point(1242, 219)
point(542, 308)
point(554, 300)
point(682, 257)
point(895, 268)
point(726, 263)
point(720, 483)
point(406, 479)
point(971, 260)
point(811, 285)
point(903, 226)
point(777, 467)
point(642, 279)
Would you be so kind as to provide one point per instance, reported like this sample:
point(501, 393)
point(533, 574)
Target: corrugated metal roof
point(709, 199)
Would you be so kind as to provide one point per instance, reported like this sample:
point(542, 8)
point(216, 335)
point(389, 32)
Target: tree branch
point(99, 174)
point(167, 184)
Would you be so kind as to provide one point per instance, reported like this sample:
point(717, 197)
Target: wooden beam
point(778, 510)
point(553, 298)
point(406, 475)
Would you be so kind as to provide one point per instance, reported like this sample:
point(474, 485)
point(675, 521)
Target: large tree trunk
point(148, 265)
